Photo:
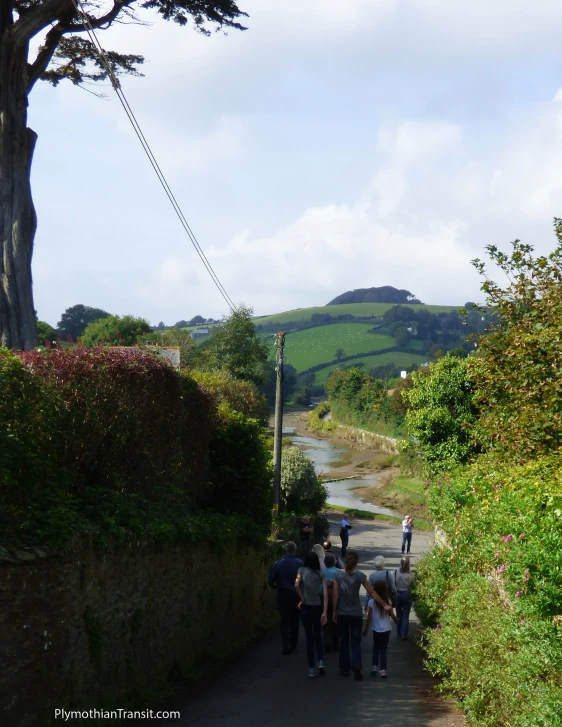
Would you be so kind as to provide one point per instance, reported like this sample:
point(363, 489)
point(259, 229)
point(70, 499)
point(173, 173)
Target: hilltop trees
point(44, 40)
point(384, 294)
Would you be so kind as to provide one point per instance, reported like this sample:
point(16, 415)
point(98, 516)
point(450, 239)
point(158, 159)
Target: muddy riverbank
point(352, 474)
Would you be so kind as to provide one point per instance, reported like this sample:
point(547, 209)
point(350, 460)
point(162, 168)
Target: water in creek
point(328, 457)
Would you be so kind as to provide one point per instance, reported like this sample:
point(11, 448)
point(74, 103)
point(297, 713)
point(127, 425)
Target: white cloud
point(331, 146)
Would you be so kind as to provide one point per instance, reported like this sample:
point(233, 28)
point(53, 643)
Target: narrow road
point(265, 688)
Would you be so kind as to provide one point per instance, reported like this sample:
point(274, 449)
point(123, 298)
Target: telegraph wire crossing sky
point(323, 149)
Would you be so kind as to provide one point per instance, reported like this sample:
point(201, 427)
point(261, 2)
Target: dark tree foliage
point(74, 320)
point(46, 40)
point(385, 294)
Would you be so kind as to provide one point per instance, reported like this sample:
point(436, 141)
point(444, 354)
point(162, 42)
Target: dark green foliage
point(236, 348)
point(385, 294)
point(268, 387)
point(518, 374)
point(490, 597)
point(46, 334)
point(359, 400)
point(301, 489)
point(441, 413)
point(30, 446)
point(116, 331)
point(239, 475)
point(74, 320)
point(491, 600)
point(108, 440)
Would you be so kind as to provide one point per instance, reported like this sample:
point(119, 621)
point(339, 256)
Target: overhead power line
point(148, 151)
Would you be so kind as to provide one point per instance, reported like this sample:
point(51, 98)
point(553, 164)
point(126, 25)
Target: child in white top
point(379, 621)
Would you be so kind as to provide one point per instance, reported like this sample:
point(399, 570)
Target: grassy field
point(312, 346)
point(354, 309)
point(405, 494)
point(399, 359)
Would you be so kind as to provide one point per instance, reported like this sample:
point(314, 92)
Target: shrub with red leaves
point(128, 421)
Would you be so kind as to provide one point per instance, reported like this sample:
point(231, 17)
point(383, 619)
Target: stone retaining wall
point(368, 439)
point(91, 630)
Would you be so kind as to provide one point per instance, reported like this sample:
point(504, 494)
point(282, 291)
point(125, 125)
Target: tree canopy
point(236, 347)
point(518, 372)
point(74, 320)
point(116, 331)
point(49, 40)
point(65, 55)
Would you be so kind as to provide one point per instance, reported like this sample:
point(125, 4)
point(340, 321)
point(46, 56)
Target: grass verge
point(365, 514)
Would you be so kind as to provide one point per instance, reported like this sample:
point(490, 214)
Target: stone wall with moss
point(89, 629)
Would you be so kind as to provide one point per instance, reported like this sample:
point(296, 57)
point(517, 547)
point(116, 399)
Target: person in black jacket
point(282, 577)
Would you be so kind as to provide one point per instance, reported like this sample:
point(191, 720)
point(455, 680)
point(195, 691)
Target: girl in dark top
point(310, 586)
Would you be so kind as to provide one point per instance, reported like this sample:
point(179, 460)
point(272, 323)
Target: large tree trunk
point(17, 213)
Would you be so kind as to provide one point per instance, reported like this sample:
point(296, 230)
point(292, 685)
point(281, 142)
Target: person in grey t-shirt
point(348, 613)
point(310, 585)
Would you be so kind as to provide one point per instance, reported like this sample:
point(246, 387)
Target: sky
point(330, 146)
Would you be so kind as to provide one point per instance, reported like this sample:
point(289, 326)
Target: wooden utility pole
point(278, 432)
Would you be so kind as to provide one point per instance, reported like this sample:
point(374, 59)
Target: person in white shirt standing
point(407, 527)
point(344, 535)
point(379, 621)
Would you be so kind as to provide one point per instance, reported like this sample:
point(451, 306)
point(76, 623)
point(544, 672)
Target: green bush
point(241, 396)
point(30, 443)
point(441, 413)
point(104, 439)
point(301, 489)
point(240, 468)
point(358, 400)
point(317, 424)
point(116, 331)
point(491, 601)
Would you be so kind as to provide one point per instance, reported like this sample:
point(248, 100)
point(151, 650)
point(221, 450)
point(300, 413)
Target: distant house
point(403, 374)
point(199, 332)
point(170, 353)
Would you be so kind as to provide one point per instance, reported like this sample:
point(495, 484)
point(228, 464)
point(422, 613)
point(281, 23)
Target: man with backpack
point(382, 574)
point(282, 577)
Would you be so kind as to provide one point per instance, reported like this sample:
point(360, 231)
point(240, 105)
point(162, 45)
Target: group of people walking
point(324, 593)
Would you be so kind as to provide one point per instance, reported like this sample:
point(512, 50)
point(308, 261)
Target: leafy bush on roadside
point(240, 395)
point(441, 413)
point(491, 601)
point(301, 489)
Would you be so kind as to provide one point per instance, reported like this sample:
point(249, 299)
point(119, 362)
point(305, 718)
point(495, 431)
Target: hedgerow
point(491, 600)
point(101, 440)
point(491, 595)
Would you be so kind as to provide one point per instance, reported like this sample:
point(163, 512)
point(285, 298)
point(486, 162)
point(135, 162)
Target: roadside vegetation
point(108, 440)
point(490, 435)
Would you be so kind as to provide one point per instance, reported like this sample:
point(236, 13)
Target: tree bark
point(18, 220)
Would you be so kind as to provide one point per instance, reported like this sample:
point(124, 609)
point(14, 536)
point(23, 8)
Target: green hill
point(382, 336)
point(359, 310)
point(312, 346)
